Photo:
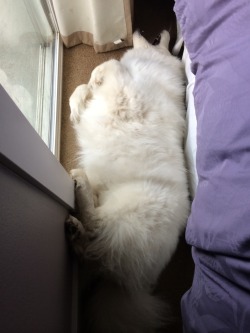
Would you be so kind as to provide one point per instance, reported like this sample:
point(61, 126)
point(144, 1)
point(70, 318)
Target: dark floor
point(153, 16)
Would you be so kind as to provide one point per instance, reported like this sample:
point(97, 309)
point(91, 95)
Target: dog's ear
point(165, 39)
point(77, 102)
point(139, 42)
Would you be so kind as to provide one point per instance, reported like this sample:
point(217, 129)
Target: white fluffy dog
point(131, 190)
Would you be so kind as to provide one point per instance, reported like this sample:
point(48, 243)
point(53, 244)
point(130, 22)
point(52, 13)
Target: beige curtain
point(105, 24)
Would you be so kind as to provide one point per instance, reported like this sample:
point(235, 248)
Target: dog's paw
point(84, 196)
point(76, 235)
point(74, 228)
point(97, 77)
point(79, 177)
point(77, 102)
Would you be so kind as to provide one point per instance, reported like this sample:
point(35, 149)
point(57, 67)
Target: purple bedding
point(217, 36)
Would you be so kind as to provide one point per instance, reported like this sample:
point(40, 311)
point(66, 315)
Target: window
point(29, 63)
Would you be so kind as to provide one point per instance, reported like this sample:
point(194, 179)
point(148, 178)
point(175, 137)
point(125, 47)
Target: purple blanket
point(217, 36)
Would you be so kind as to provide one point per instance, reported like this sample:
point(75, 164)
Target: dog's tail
point(112, 309)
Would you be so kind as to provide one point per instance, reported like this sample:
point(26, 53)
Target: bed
point(216, 36)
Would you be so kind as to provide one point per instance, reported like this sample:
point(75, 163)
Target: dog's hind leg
point(84, 197)
point(81, 230)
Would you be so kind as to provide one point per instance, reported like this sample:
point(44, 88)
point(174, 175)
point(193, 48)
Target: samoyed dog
point(131, 186)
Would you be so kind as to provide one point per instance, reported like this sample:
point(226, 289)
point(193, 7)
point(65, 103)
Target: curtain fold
point(104, 24)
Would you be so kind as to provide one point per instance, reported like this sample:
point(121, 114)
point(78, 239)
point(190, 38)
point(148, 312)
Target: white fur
point(130, 126)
